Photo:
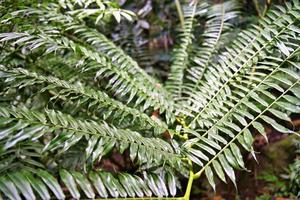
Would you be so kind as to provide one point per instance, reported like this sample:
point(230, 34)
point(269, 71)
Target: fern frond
point(95, 9)
point(119, 110)
point(67, 131)
point(25, 183)
point(218, 22)
point(22, 156)
point(252, 109)
point(120, 81)
point(229, 155)
point(250, 47)
point(63, 68)
point(181, 54)
point(117, 56)
point(100, 102)
point(240, 98)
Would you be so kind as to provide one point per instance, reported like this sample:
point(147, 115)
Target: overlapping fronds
point(23, 124)
point(254, 45)
point(97, 101)
point(71, 99)
point(240, 94)
point(121, 66)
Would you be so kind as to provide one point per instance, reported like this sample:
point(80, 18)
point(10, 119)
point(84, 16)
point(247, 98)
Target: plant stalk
point(189, 186)
point(180, 14)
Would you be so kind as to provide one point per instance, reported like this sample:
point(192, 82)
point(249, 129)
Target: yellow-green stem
point(189, 186)
point(180, 14)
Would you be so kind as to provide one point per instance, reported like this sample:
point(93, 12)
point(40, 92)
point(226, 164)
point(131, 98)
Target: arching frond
point(250, 47)
point(117, 56)
point(19, 124)
point(244, 100)
point(226, 155)
point(100, 102)
point(180, 57)
point(218, 22)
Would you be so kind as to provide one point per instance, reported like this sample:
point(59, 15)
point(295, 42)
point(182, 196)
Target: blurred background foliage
point(150, 38)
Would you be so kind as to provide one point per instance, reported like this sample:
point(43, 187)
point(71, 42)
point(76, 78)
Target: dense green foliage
point(286, 184)
point(71, 99)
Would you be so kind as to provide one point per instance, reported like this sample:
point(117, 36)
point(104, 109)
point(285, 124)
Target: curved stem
point(189, 186)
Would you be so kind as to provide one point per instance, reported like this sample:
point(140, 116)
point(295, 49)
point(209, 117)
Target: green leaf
point(9, 189)
point(22, 184)
point(23, 135)
point(219, 171)
point(241, 140)
point(283, 48)
point(248, 138)
point(38, 186)
point(240, 119)
point(58, 141)
point(252, 106)
point(210, 177)
point(70, 183)
point(52, 183)
point(135, 185)
point(160, 184)
point(258, 99)
point(110, 184)
point(195, 159)
point(92, 141)
point(127, 184)
point(280, 114)
point(152, 185)
point(144, 186)
point(275, 125)
point(98, 184)
point(232, 125)
point(296, 90)
point(199, 154)
point(117, 16)
point(237, 154)
point(4, 133)
point(294, 28)
point(230, 158)
point(260, 128)
point(98, 152)
point(229, 171)
point(84, 184)
point(171, 183)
